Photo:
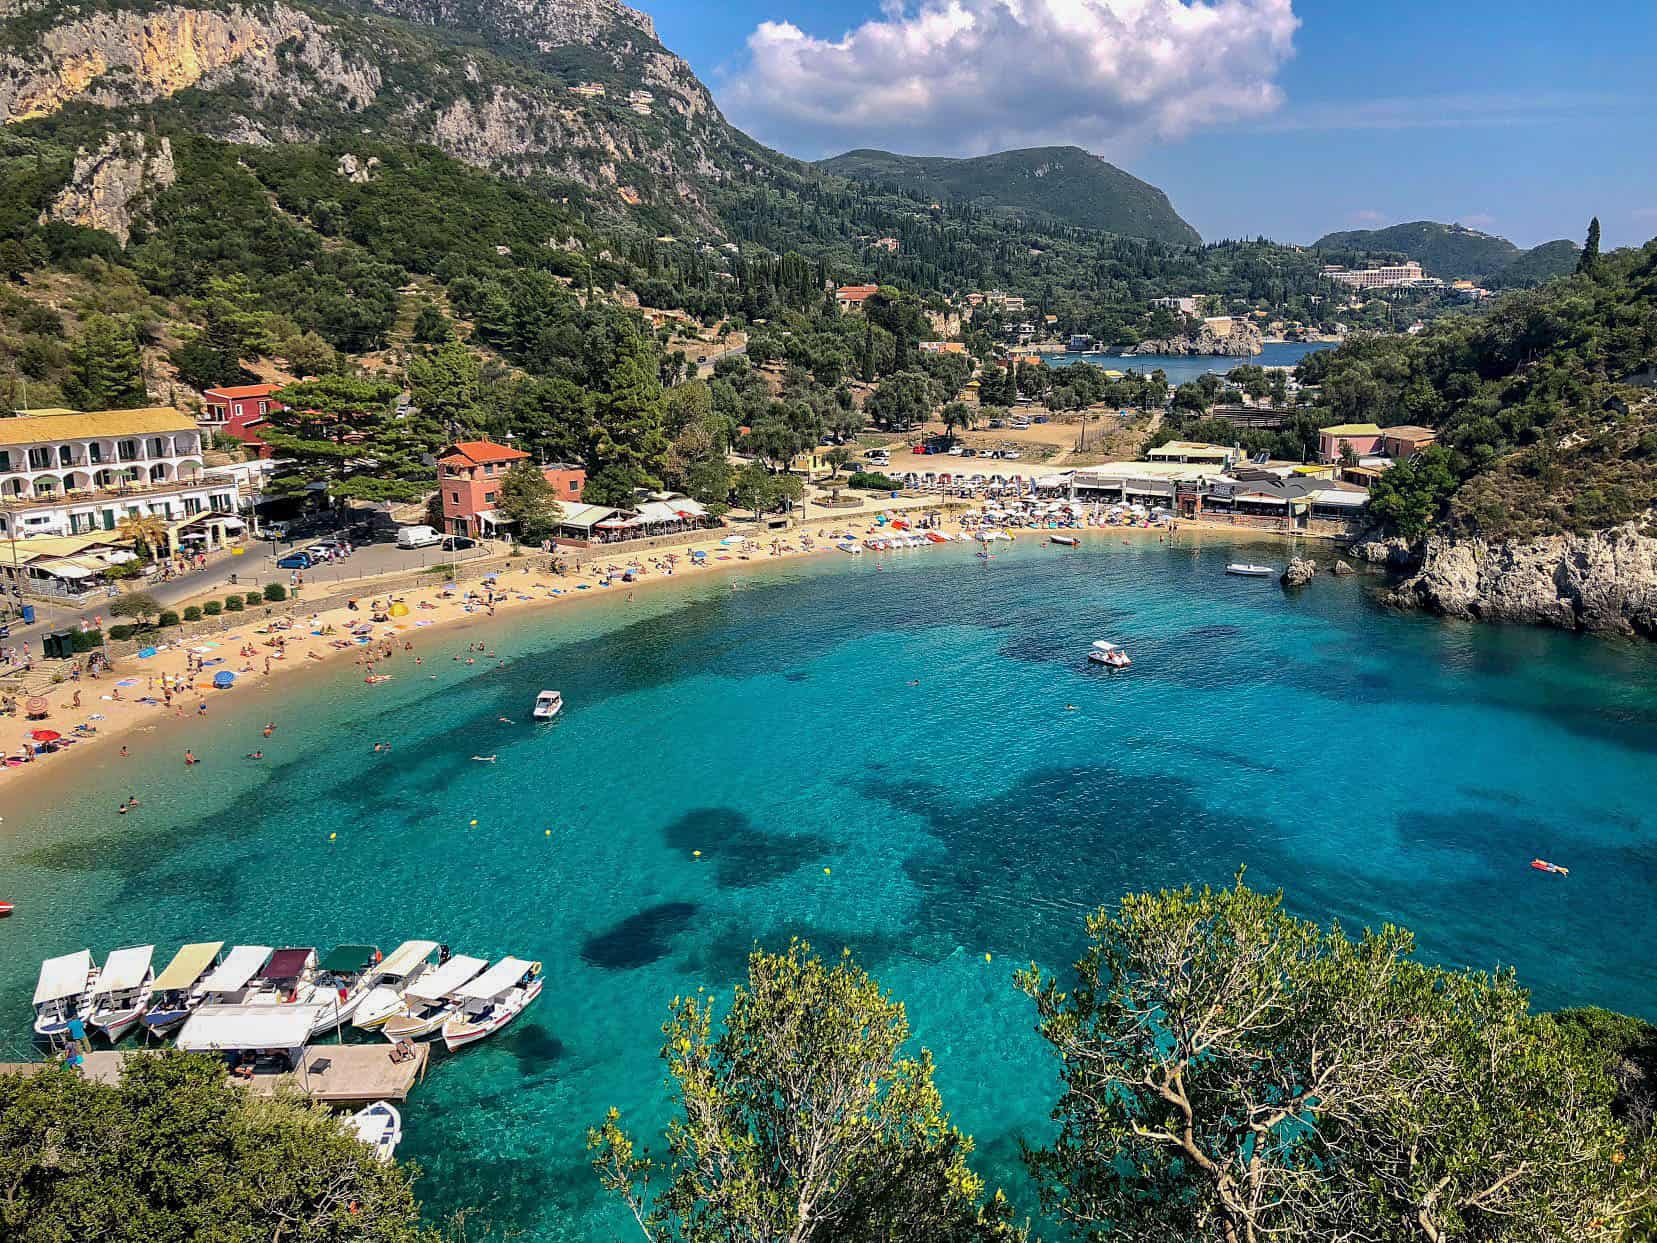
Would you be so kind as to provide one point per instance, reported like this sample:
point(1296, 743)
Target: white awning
point(230, 1029)
point(64, 569)
point(502, 976)
point(402, 959)
point(436, 985)
point(188, 965)
point(124, 969)
point(1332, 496)
point(64, 976)
point(238, 967)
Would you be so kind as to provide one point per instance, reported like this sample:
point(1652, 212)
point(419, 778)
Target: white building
point(63, 472)
point(1377, 278)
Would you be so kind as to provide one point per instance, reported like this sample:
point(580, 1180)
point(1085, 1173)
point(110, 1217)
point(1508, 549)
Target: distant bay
point(1183, 367)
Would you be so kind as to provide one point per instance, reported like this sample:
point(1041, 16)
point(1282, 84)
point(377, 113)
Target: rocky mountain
point(1453, 252)
point(1050, 185)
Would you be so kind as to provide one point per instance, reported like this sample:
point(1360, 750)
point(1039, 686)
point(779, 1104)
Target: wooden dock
point(333, 1074)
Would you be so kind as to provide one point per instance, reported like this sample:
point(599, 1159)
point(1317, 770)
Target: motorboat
point(231, 982)
point(850, 546)
point(1103, 653)
point(1243, 569)
point(1069, 541)
point(548, 704)
point(379, 1126)
point(178, 990)
point(288, 978)
point(123, 991)
point(1542, 865)
point(63, 993)
point(429, 1001)
point(343, 979)
point(491, 1001)
point(5, 909)
point(395, 972)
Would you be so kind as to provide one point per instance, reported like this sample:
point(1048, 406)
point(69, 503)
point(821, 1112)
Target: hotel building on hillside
point(1388, 277)
point(65, 472)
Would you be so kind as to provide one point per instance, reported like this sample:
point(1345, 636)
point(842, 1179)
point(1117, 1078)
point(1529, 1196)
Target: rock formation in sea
point(1240, 338)
point(1605, 581)
point(1300, 572)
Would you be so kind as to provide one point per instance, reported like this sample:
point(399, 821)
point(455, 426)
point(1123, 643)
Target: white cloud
point(970, 76)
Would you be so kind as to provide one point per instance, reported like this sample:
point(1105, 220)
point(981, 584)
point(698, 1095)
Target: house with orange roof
point(469, 476)
point(237, 410)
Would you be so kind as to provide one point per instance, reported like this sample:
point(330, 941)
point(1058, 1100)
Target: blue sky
point(1283, 117)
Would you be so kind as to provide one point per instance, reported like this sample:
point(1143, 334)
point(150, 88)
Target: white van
point(417, 537)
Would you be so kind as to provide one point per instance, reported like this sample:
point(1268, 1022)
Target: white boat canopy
point(63, 976)
point(402, 959)
point(124, 969)
point(1102, 646)
point(239, 966)
point(495, 981)
point(436, 985)
point(231, 1029)
point(188, 965)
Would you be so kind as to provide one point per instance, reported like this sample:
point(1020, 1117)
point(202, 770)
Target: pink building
point(1364, 439)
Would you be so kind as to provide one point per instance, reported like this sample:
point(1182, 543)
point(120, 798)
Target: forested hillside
point(1453, 251)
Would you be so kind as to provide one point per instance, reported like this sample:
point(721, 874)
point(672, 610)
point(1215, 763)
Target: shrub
point(87, 640)
point(212, 608)
point(192, 614)
point(233, 604)
point(275, 592)
point(872, 482)
point(168, 618)
point(253, 599)
point(121, 632)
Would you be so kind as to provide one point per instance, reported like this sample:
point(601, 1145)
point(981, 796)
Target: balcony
point(86, 496)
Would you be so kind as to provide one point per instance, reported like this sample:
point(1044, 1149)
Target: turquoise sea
point(1375, 766)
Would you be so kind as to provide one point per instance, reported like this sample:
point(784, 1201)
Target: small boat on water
point(5, 909)
point(395, 972)
point(63, 993)
point(1542, 865)
point(430, 1000)
point(231, 982)
point(343, 979)
point(287, 979)
point(850, 546)
point(123, 991)
point(179, 989)
point(1243, 569)
point(548, 704)
point(379, 1126)
point(491, 1001)
point(1069, 541)
point(1103, 653)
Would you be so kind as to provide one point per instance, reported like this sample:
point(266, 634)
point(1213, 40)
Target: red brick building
point(469, 476)
point(238, 410)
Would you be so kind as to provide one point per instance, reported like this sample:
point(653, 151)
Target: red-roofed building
point(237, 410)
point(852, 297)
point(469, 476)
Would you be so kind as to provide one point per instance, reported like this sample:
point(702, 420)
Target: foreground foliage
point(175, 1154)
point(1233, 1073)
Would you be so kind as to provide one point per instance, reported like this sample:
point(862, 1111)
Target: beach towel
point(144, 653)
point(127, 682)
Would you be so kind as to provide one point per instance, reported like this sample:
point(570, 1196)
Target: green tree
point(956, 416)
point(1412, 494)
point(431, 326)
point(444, 384)
point(342, 432)
point(630, 413)
point(528, 500)
point(1234, 1074)
point(174, 1152)
point(902, 400)
point(106, 370)
point(139, 605)
point(837, 458)
point(800, 1121)
point(1589, 260)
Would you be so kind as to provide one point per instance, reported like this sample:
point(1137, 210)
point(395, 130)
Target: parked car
point(1012, 455)
point(457, 543)
point(301, 560)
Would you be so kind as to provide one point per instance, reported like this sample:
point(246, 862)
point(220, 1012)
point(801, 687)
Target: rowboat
point(179, 989)
point(63, 992)
point(343, 979)
point(379, 1126)
point(123, 991)
point(491, 1001)
point(429, 1001)
point(1243, 569)
point(395, 972)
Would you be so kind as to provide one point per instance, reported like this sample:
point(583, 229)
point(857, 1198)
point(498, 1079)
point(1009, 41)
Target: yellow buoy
point(696, 854)
point(826, 872)
point(549, 832)
point(474, 824)
point(332, 836)
point(986, 958)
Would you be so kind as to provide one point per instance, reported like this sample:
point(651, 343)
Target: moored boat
point(178, 990)
point(395, 972)
point(1243, 569)
point(491, 1001)
point(343, 979)
point(63, 992)
point(548, 704)
point(231, 982)
point(1103, 653)
point(288, 978)
point(379, 1126)
point(5, 909)
point(1069, 541)
point(429, 1001)
point(123, 991)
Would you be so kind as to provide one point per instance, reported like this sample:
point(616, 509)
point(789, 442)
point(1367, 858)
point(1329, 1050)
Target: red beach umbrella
point(45, 735)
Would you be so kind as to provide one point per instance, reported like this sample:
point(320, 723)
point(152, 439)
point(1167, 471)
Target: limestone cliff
point(1235, 338)
point(1606, 581)
point(109, 183)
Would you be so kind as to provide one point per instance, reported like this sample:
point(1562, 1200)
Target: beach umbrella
point(45, 735)
point(223, 679)
point(35, 706)
point(399, 610)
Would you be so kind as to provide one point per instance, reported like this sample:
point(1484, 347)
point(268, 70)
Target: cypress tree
point(1590, 249)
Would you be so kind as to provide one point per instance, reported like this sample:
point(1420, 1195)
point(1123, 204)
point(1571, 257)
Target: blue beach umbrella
point(223, 679)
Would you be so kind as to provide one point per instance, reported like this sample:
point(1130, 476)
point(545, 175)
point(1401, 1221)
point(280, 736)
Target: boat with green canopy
point(344, 977)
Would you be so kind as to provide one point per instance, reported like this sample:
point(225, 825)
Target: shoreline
point(429, 610)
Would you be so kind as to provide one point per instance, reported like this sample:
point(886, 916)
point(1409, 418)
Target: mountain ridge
point(1454, 251)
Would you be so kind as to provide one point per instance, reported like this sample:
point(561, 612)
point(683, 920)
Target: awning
point(436, 985)
point(502, 976)
point(124, 969)
point(287, 964)
point(231, 1029)
point(239, 966)
point(402, 959)
point(188, 965)
point(346, 958)
point(63, 569)
point(63, 976)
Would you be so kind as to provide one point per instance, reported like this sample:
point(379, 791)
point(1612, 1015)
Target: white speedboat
point(1103, 653)
point(850, 546)
point(287, 979)
point(430, 1000)
point(548, 704)
point(123, 991)
point(395, 972)
point(1069, 541)
point(1243, 569)
point(379, 1126)
point(178, 990)
point(231, 982)
point(491, 1001)
point(63, 993)
point(343, 979)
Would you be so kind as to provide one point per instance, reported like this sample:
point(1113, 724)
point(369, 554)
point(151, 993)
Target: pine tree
point(342, 431)
point(1590, 249)
point(106, 371)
